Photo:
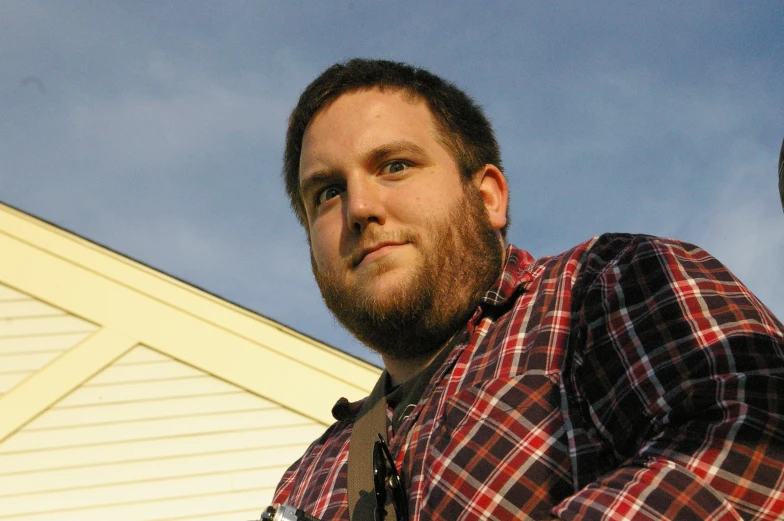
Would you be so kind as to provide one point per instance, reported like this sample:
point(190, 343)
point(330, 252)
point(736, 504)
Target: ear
point(495, 193)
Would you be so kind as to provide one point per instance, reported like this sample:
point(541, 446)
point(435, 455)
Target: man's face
point(401, 247)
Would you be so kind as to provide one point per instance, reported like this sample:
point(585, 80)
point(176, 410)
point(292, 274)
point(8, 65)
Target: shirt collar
point(516, 276)
point(344, 410)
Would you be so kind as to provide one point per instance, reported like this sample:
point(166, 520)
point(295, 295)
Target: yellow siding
point(32, 334)
point(150, 438)
point(199, 329)
point(128, 395)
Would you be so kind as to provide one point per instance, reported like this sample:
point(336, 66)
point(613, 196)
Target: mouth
point(370, 250)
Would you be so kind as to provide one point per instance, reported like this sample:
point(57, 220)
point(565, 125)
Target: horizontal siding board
point(92, 394)
point(27, 308)
point(162, 370)
point(25, 362)
point(129, 494)
point(252, 513)
point(148, 429)
point(41, 343)
point(149, 409)
point(43, 326)
point(254, 500)
point(134, 471)
point(112, 453)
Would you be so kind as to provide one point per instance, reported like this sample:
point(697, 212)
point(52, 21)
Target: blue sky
point(160, 133)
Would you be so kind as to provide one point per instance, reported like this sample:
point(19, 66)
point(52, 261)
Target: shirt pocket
point(505, 440)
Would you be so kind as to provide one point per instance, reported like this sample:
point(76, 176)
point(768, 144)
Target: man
point(627, 378)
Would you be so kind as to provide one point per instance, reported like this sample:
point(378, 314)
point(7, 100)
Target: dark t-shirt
point(404, 397)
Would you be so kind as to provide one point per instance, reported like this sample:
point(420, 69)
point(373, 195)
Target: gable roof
point(132, 304)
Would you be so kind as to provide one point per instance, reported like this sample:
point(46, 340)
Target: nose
point(364, 204)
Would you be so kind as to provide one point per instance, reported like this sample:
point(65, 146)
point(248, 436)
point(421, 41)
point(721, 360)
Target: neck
point(401, 370)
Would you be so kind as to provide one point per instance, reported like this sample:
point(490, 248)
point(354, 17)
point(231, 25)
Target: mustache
point(370, 240)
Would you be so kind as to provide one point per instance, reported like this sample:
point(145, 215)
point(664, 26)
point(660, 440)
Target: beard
point(417, 317)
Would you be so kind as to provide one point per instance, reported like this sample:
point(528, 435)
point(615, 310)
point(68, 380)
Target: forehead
point(360, 120)
point(374, 101)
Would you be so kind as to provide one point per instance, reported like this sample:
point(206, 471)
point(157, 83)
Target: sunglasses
point(385, 475)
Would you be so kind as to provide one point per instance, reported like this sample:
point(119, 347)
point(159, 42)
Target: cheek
point(430, 197)
point(324, 246)
point(318, 254)
point(421, 208)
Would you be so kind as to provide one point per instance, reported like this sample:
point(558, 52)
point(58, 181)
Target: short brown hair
point(464, 129)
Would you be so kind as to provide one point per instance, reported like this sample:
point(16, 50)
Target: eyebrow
point(393, 147)
point(316, 179)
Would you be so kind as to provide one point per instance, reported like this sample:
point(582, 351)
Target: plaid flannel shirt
point(627, 378)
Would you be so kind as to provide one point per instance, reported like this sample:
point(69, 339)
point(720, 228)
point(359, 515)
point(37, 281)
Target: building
point(126, 394)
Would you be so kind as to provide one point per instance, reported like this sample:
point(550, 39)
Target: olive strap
point(361, 488)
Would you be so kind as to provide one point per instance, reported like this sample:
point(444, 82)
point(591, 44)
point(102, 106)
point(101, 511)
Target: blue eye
point(326, 194)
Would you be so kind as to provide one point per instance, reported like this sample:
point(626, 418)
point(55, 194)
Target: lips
point(364, 252)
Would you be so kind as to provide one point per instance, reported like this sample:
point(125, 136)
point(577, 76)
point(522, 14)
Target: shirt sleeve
point(679, 372)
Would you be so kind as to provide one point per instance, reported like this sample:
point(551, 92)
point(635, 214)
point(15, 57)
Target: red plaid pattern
point(628, 378)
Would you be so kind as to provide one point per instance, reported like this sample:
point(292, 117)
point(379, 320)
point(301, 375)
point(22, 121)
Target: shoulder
point(619, 269)
point(587, 259)
point(617, 253)
point(612, 245)
point(609, 248)
point(308, 472)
